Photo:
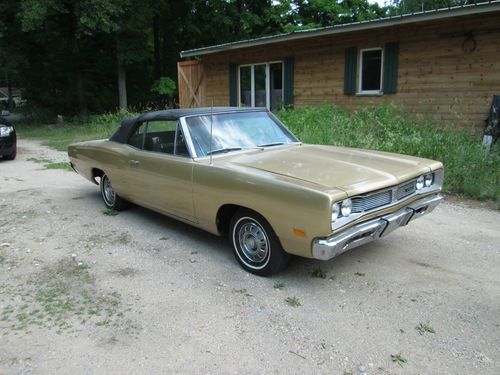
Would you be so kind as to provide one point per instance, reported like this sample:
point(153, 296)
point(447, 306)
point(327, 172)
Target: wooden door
point(191, 84)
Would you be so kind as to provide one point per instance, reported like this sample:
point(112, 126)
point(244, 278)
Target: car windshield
point(236, 131)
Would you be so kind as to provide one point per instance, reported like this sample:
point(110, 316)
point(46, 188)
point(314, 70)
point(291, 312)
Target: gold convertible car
point(240, 172)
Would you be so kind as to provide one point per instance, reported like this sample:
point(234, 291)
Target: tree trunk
point(75, 56)
point(122, 80)
point(10, 99)
point(156, 42)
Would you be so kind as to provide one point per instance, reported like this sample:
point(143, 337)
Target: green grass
point(422, 328)
point(319, 273)
point(279, 285)
point(60, 297)
point(76, 129)
point(61, 165)
point(469, 170)
point(109, 212)
point(52, 165)
point(293, 301)
point(399, 359)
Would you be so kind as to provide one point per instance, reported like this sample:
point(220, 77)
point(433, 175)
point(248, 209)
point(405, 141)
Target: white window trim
point(268, 81)
point(370, 92)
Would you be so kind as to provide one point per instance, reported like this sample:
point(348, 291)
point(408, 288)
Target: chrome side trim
point(360, 234)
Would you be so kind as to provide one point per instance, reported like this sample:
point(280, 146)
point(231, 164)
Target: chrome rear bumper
point(330, 247)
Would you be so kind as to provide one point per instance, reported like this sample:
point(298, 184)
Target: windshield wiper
point(223, 150)
point(271, 144)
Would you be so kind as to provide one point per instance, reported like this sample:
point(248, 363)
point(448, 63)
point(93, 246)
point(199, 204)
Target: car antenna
point(211, 129)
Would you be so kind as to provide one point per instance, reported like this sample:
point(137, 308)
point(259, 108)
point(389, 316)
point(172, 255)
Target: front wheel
point(12, 156)
point(255, 245)
point(111, 199)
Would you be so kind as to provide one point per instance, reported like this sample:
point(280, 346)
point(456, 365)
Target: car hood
point(353, 170)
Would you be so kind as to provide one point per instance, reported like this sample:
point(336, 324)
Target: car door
point(160, 169)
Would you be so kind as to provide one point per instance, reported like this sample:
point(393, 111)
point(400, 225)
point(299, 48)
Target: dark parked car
point(8, 140)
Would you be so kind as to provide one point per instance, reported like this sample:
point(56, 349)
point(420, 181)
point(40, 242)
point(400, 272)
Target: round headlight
point(335, 211)
point(428, 180)
point(346, 207)
point(420, 183)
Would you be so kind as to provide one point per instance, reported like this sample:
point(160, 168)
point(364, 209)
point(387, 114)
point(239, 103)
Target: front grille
point(369, 202)
point(406, 189)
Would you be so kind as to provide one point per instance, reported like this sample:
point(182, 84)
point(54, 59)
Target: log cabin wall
point(448, 69)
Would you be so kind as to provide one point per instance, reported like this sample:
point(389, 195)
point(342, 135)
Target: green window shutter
point(350, 67)
point(391, 58)
point(233, 85)
point(288, 84)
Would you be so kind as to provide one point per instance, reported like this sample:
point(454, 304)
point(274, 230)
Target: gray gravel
point(82, 292)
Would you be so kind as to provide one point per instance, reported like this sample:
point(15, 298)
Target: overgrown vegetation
point(468, 169)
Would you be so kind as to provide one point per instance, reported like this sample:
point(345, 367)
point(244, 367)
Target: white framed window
point(371, 62)
point(261, 85)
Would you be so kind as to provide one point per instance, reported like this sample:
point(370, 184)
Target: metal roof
point(430, 15)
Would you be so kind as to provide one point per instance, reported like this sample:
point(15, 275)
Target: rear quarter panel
point(105, 155)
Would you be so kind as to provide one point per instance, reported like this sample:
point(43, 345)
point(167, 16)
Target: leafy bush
point(468, 169)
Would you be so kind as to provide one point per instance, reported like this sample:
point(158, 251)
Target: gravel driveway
point(83, 292)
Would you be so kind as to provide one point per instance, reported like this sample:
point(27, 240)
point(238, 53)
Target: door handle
point(134, 162)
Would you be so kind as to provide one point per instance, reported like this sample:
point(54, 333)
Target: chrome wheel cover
point(253, 242)
point(108, 193)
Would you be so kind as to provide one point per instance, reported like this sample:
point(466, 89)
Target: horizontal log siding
point(435, 76)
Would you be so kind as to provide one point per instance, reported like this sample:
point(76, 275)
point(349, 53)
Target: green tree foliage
point(68, 54)
point(316, 13)
point(413, 6)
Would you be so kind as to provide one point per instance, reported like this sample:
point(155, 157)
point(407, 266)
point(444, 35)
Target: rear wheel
point(255, 245)
point(111, 199)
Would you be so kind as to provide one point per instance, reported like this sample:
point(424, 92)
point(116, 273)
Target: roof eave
point(358, 26)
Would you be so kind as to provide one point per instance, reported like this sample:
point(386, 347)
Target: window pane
point(240, 130)
point(245, 86)
point(137, 138)
point(180, 144)
point(260, 85)
point(161, 126)
point(276, 81)
point(160, 136)
point(371, 70)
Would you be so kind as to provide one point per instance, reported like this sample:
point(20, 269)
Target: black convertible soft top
point(129, 124)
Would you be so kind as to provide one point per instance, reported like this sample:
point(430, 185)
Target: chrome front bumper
point(330, 247)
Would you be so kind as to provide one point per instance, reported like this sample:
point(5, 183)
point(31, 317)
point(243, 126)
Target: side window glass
point(180, 143)
point(137, 139)
point(160, 136)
